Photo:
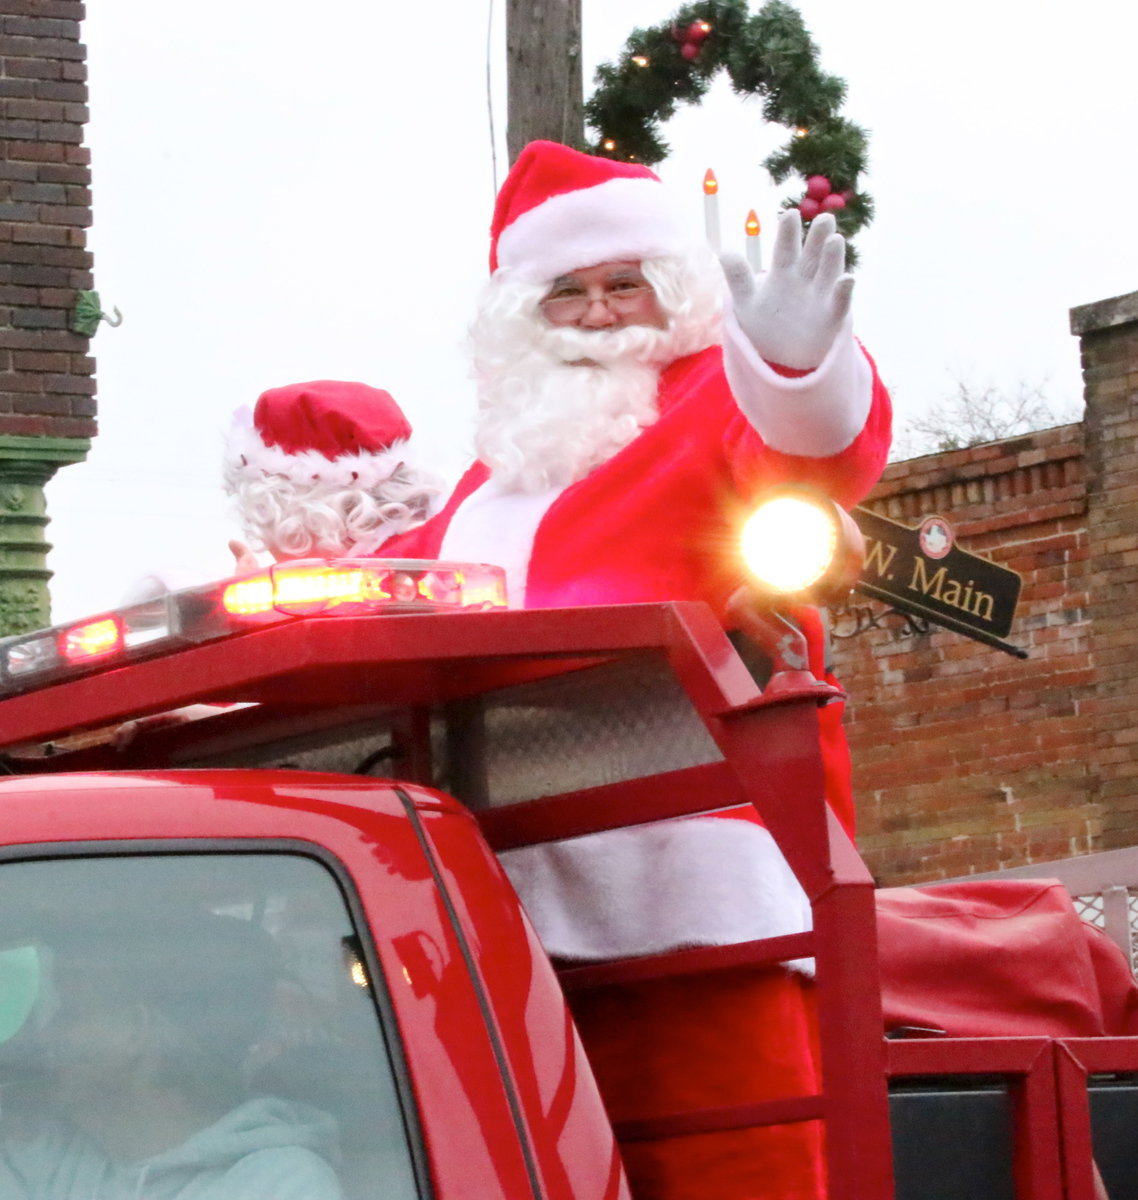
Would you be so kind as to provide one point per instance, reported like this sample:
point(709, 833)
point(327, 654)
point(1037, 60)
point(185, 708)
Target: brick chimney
point(1108, 331)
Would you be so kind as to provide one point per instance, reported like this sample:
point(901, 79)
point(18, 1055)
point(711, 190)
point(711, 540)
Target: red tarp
point(1000, 958)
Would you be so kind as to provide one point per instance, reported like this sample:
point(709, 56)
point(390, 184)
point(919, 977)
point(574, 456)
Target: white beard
point(546, 423)
point(557, 401)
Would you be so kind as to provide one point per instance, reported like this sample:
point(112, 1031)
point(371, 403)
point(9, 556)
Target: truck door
point(191, 1024)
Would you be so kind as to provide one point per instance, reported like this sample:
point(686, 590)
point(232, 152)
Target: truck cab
point(345, 952)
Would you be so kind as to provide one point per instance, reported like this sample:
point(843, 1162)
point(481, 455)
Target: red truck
point(346, 943)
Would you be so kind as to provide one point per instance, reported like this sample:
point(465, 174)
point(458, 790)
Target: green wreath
point(769, 54)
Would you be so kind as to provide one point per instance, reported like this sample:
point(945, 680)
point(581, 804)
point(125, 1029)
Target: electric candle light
point(711, 208)
point(754, 249)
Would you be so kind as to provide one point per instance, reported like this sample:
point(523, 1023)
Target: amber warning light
point(281, 593)
point(312, 588)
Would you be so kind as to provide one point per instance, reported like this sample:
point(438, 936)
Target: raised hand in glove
point(792, 314)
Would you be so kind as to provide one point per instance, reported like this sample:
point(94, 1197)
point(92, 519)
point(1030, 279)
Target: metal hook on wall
point(88, 312)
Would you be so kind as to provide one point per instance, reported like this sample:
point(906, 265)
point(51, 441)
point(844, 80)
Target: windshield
point(190, 1026)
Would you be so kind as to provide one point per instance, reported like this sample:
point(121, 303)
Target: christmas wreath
point(768, 54)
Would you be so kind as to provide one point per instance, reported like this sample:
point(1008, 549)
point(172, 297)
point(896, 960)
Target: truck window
point(197, 1024)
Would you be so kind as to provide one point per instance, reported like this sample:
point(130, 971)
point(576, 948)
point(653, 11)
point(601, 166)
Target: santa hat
point(328, 430)
point(560, 210)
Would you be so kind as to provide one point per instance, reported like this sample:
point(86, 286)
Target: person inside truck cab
point(634, 398)
point(141, 1032)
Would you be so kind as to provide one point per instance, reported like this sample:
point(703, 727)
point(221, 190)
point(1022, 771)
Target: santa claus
point(628, 413)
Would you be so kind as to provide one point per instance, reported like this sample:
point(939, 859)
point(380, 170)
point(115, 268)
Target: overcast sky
point(285, 191)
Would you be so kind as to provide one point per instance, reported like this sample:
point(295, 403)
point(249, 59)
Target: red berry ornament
point(689, 51)
point(697, 31)
point(833, 203)
point(817, 187)
point(809, 208)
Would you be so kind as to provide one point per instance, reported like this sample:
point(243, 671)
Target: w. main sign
point(920, 570)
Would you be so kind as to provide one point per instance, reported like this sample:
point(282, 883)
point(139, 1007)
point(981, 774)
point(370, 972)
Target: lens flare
point(789, 543)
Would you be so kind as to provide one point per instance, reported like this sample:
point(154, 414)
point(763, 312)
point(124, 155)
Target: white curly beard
point(557, 401)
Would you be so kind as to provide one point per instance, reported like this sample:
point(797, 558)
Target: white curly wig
point(305, 504)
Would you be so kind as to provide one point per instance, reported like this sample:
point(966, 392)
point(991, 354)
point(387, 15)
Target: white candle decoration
point(711, 208)
point(754, 246)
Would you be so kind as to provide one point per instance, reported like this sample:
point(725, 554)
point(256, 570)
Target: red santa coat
point(660, 521)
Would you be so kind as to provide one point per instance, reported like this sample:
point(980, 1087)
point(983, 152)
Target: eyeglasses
point(624, 298)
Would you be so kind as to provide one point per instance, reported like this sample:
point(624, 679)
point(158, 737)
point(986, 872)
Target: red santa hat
point(329, 430)
point(560, 210)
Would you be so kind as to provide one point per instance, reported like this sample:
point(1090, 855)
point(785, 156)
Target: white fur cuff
point(815, 415)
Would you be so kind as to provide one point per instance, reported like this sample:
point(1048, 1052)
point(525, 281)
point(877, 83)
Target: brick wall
point(47, 384)
point(965, 758)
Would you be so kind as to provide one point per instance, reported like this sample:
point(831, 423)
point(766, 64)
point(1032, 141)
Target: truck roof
point(313, 670)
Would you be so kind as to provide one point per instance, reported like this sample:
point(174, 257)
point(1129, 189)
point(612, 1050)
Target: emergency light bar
point(284, 592)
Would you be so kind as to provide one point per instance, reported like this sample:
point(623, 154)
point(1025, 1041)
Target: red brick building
point(966, 758)
point(47, 383)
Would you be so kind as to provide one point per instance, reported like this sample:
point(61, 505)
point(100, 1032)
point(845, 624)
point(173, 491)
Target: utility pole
point(543, 64)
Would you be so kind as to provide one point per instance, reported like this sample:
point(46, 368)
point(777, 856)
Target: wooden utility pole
point(543, 63)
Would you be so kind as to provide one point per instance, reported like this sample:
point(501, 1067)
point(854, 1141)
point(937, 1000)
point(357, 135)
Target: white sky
point(285, 191)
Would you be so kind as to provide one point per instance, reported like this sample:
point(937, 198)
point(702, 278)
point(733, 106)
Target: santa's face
point(611, 295)
point(558, 397)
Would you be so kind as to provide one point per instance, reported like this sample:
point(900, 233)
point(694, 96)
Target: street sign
point(921, 570)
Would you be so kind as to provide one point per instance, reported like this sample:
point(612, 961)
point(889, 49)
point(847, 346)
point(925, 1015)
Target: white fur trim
point(695, 882)
point(246, 452)
point(815, 415)
point(498, 527)
point(615, 221)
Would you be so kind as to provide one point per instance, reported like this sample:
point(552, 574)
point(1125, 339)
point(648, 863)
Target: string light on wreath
point(768, 54)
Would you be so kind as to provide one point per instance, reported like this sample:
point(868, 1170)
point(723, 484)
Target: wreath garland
point(768, 54)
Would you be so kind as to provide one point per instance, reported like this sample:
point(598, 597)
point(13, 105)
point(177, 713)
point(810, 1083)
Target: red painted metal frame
point(1075, 1060)
point(773, 750)
point(1027, 1064)
point(772, 760)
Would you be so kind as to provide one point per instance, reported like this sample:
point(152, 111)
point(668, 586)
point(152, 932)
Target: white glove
point(792, 314)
